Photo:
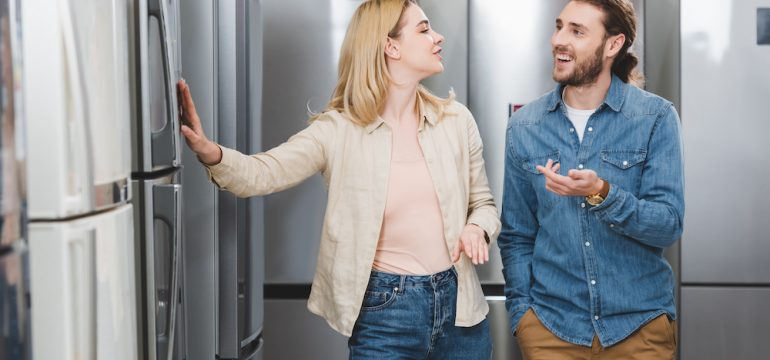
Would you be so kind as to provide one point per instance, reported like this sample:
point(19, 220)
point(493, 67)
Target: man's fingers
point(556, 188)
point(558, 179)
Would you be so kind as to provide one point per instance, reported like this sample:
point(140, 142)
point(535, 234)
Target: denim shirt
point(587, 270)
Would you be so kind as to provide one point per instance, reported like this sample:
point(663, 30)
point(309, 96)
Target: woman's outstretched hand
point(208, 152)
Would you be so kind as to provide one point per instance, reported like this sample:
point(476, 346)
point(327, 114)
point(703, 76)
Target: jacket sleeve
point(517, 238)
point(656, 215)
point(277, 169)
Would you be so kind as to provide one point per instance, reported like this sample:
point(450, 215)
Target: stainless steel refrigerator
point(81, 243)
point(725, 253)
point(156, 177)
point(14, 259)
point(224, 257)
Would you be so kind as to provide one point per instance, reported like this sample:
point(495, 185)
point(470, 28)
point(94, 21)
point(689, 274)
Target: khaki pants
point(655, 340)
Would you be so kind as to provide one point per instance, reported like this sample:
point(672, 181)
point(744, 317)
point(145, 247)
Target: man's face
point(578, 45)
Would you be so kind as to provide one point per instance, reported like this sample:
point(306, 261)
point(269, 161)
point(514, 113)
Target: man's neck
point(588, 96)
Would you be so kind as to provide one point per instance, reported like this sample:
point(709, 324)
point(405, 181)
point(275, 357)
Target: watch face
point(594, 199)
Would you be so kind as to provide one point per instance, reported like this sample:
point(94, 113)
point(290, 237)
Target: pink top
point(412, 235)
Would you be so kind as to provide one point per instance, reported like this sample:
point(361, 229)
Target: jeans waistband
point(383, 278)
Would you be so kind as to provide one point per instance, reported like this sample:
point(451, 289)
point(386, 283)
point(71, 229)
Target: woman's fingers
point(456, 252)
point(188, 107)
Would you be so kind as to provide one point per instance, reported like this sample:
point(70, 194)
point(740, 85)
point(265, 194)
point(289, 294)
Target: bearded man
point(593, 194)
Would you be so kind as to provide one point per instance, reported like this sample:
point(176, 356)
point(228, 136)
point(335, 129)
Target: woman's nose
point(439, 39)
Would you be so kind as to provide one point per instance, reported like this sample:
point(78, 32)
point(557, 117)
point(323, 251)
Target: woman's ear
point(391, 49)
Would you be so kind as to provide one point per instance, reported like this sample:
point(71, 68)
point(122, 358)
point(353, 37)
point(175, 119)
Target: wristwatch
point(598, 198)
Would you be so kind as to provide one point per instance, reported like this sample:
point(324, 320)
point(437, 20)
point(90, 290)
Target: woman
point(406, 182)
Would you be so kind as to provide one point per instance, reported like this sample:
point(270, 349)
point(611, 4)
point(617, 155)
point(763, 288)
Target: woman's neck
point(400, 103)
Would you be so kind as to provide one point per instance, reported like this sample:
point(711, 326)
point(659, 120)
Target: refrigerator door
point(158, 240)
point(239, 234)
point(76, 60)
point(725, 239)
point(82, 274)
point(296, 83)
point(199, 195)
point(155, 127)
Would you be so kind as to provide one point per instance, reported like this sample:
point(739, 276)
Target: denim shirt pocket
point(623, 168)
point(545, 198)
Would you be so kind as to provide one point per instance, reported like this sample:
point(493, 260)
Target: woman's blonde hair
point(363, 76)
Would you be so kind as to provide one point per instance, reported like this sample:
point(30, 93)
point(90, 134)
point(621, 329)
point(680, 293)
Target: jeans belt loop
point(401, 284)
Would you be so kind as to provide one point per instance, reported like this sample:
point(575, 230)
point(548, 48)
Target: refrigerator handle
point(79, 143)
point(81, 260)
point(169, 209)
point(170, 134)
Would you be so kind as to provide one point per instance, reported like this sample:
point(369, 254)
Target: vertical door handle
point(168, 206)
point(170, 132)
point(81, 263)
point(78, 127)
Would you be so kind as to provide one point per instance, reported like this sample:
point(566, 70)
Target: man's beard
point(585, 72)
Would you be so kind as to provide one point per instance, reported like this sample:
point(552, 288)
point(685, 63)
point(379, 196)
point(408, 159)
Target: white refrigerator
point(81, 241)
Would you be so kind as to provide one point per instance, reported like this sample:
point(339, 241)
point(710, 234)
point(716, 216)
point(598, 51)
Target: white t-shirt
point(579, 119)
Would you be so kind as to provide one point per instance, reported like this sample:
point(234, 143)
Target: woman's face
point(417, 46)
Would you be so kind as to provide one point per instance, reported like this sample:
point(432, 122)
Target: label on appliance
point(512, 108)
point(763, 26)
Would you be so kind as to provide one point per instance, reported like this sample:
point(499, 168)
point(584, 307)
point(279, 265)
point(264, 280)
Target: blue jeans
point(412, 317)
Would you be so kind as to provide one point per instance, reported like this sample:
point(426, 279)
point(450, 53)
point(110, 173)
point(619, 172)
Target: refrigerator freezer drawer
point(505, 345)
point(76, 60)
point(289, 321)
point(157, 209)
point(82, 278)
point(724, 323)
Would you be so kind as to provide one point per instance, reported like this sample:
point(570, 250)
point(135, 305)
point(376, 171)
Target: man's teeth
point(564, 57)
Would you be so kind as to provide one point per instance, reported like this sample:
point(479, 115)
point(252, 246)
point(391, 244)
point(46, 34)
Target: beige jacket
point(354, 161)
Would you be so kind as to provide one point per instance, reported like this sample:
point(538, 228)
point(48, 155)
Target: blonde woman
point(409, 210)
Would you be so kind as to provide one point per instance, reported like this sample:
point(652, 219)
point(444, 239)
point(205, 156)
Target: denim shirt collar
point(614, 99)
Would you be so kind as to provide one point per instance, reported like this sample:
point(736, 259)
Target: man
point(593, 194)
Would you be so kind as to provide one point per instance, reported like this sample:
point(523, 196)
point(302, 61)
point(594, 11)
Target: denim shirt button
point(588, 243)
point(596, 317)
point(571, 130)
point(593, 282)
point(590, 129)
point(625, 163)
point(580, 166)
point(582, 205)
point(612, 225)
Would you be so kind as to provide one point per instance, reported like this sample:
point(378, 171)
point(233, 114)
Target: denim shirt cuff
point(613, 197)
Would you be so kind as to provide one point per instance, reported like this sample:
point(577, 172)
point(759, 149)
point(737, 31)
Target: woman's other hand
point(473, 243)
point(208, 152)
